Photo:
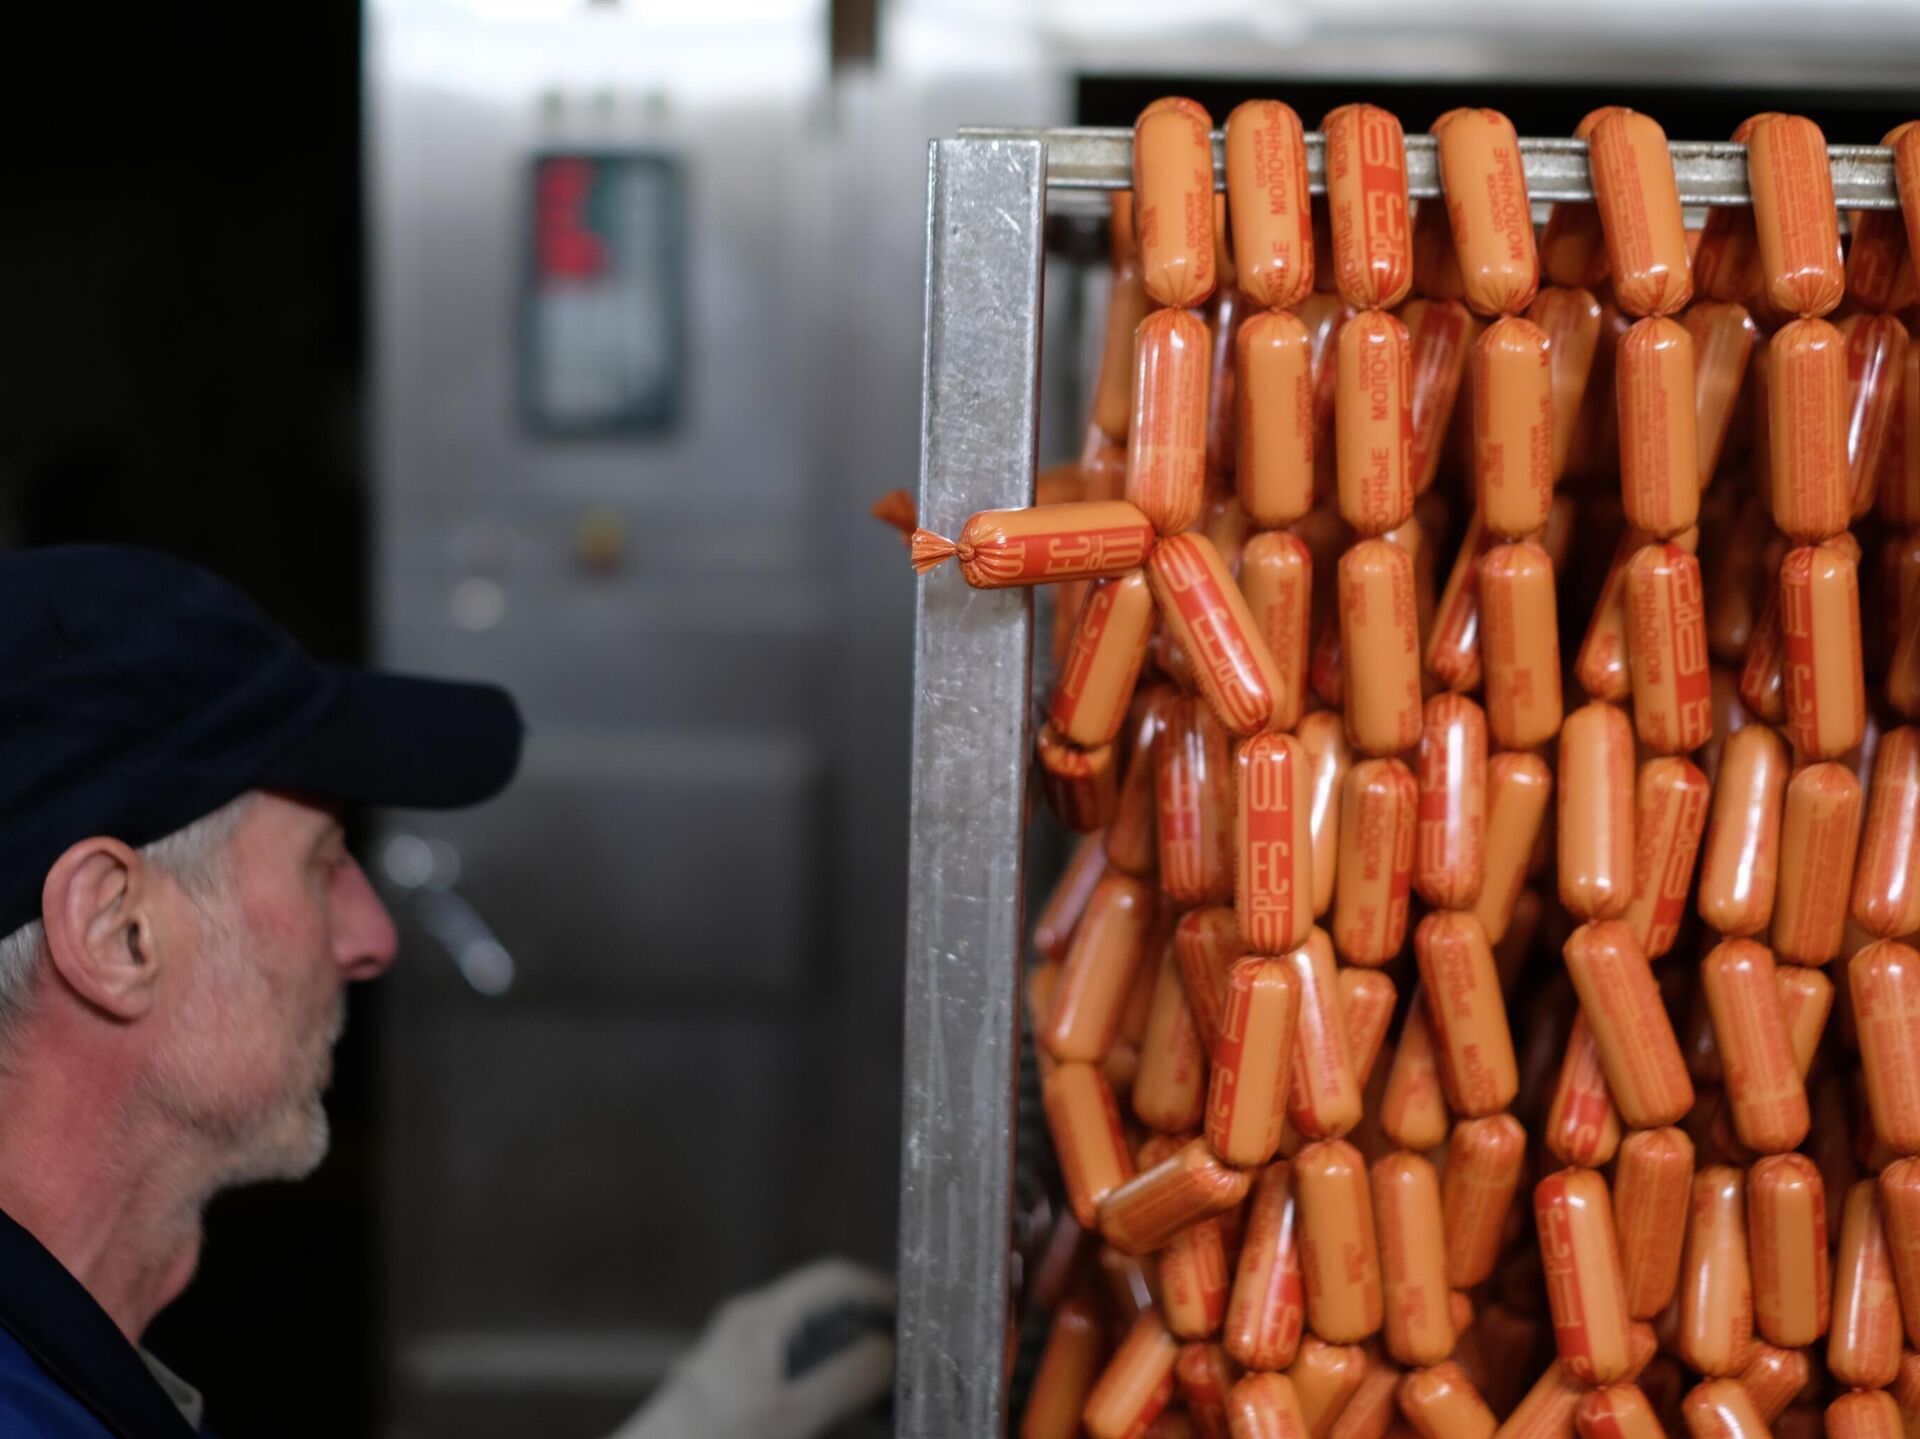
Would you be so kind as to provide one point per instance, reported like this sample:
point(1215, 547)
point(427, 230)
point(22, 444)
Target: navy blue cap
point(139, 694)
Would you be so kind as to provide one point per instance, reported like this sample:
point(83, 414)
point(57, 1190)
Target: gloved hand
point(785, 1362)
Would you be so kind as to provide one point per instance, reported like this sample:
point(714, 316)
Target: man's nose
point(364, 941)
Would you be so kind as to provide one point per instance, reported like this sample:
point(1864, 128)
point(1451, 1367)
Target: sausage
point(1581, 1260)
point(1820, 634)
point(1108, 946)
point(1773, 1377)
point(1883, 983)
point(1273, 844)
point(1583, 1127)
point(1167, 441)
point(1602, 666)
point(1897, 488)
point(1570, 319)
point(1794, 215)
point(1639, 203)
point(1669, 813)
point(1206, 944)
point(1594, 451)
point(1716, 1281)
point(1864, 1414)
point(1886, 877)
point(1811, 487)
point(1413, 1264)
point(1205, 612)
point(1338, 1256)
point(1519, 788)
point(1595, 827)
point(1659, 448)
point(1378, 807)
point(1223, 316)
point(1109, 646)
point(1413, 1113)
point(1513, 427)
point(1806, 998)
point(1876, 366)
point(1267, 1310)
point(1370, 1413)
point(1373, 423)
point(1324, 735)
point(1763, 675)
point(1723, 336)
point(1069, 1364)
point(1763, 1090)
point(1819, 836)
point(1265, 1406)
point(1189, 1186)
point(1367, 1001)
point(1267, 199)
point(1325, 1378)
point(1133, 834)
point(1739, 870)
point(1442, 1403)
point(1113, 385)
point(1085, 1124)
point(1450, 830)
point(1087, 540)
point(1572, 250)
point(1787, 1241)
point(1486, 192)
point(1173, 201)
point(1652, 1190)
point(1645, 1071)
point(1453, 642)
point(1900, 1221)
point(1193, 1281)
point(1194, 759)
point(1442, 336)
point(1472, 1040)
point(1863, 1346)
point(1136, 1384)
point(1273, 469)
point(1484, 1160)
point(1548, 1408)
point(1169, 1091)
point(1721, 1409)
point(1380, 647)
point(1876, 255)
point(1367, 202)
point(1436, 264)
point(1324, 1101)
point(1247, 1096)
point(1520, 646)
point(1068, 899)
point(1667, 650)
point(1903, 665)
point(1620, 1411)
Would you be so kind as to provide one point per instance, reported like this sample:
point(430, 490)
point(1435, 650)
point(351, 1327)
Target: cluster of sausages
point(1303, 1231)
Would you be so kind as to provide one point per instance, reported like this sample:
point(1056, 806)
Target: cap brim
point(405, 742)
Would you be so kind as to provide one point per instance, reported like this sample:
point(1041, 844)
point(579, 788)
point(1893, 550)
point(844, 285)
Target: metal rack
point(989, 191)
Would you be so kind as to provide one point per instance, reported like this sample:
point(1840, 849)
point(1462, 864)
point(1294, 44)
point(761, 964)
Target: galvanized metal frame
point(987, 199)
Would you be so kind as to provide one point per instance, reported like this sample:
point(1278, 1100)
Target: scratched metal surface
point(971, 741)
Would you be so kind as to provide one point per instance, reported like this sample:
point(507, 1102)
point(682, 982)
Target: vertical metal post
point(971, 741)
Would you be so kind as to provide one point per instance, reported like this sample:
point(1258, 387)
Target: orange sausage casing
point(1136, 1384)
point(1519, 788)
point(1486, 192)
point(1722, 1409)
point(1379, 647)
point(1338, 1255)
point(1325, 1377)
point(1864, 1414)
point(1787, 1238)
point(1763, 1089)
point(1081, 786)
point(1596, 841)
point(1324, 1101)
point(1806, 998)
point(1520, 645)
point(1900, 1218)
point(1068, 1367)
point(1265, 1406)
point(1413, 1263)
point(1190, 1185)
point(1570, 319)
point(1716, 1282)
point(1205, 612)
point(1367, 202)
point(1863, 1346)
point(1273, 469)
point(1572, 250)
point(1897, 488)
point(1173, 201)
point(1252, 1059)
point(1583, 1127)
point(1167, 443)
point(1883, 981)
point(1467, 1013)
point(1639, 204)
point(1602, 665)
point(1079, 540)
point(1106, 950)
point(1085, 1124)
point(1723, 338)
point(1133, 834)
point(1513, 427)
point(1740, 868)
point(1652, 1188)
point(1667, 650)
point(1441, 1403)
point(1659, 448)
point(1324, 734)
point(1053, 931)
point(1413, 1113)
point(1820, 635)
point(1669, 814)
point(1484, 1161)
point(1453, 640)
point(1793, 212)
point(1192, 1271)
point(1449, 858)
point(1646, 1073)
point(1113, 388)
point(1819, 836)
point(1442, 335)
point(1620, 1411)
point(1876, 368)
point(1807, 430)
point(1273, 844)
point(1773, 1377)
point(1169, 1087)
point(1378, 807)
point(1267, 199)
point(1267, 1310)
point(1886, 876)
point(1581, 1259)
point(1194, 757)
point(1206, 944)
point(1276, 580)
point(1109, 646)
point(1371, 1410)
point(1373, 423)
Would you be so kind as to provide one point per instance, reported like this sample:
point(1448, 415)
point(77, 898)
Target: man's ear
point(96, 905)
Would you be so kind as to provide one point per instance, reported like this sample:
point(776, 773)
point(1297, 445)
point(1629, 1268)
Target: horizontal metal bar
point(1710, 172)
